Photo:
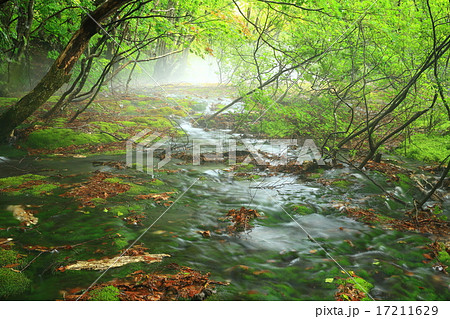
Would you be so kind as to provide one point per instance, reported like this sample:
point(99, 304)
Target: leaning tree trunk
point(59, 72)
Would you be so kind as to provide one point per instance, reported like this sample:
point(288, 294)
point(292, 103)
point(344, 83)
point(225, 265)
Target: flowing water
point(285, 256)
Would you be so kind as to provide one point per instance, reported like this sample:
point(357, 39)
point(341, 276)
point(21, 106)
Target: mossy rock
point(120, 243)
point(166, 111)
point(315, 175)
point(127, 123)
point(98, 201)
point(245, 167)
point(249, 177)
point(303, 210)
point(35, 190)
point(106, 126)
point(443, 255)
point(130, 109)
point(114, 180)
point(108, 293)
point(341, 183)
point(124, 210)
point(359, 284)
point(8, 257)
point(19, 180)
point(154, 122)
point(52, 138)
point(12, 283)
point(157, 182)
point(59, 122)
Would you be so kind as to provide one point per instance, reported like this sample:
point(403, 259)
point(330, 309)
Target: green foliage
point(35, 190)
point(8, 257)
point(106, 126)
point(154, 122)
point(303, 210)
point(359, 284)
point(429, 148)
point(157, 182)
point(12, 283)
point(108, 293)
point(52, 138)
point(127, 123)
point(165, 111)
point(120, 243)
point(7, 101)
point(341, 183)
point(19, 180)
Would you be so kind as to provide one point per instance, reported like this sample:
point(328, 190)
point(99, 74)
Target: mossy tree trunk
point(59, 72)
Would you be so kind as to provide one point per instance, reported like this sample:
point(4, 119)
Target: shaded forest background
point(364, 77)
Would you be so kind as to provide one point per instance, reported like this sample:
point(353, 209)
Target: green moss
point(7, 150)
point(35, 190)
point(165, 111)
point(141, 189)
point(154, 122)
point(12, 283)
point(120, 243)
point(54, 99)
point(428, 148)
point(245, 167)
point(130, 109)
point(303, 210)
point(8, 257)
point(341, 183)
point(157, 182)
point(108, 293)
point(114, 180)
point(249, 177)
point(443, 256)
point(404, 181)
point(19, 180)
point(59, 122)
point(6, 101)
point(98, 201)
point(142, 103)
point(124, 210)
point(41, 189)
point(127, 123)
point(360, 284)
point(384, 218)
point(106, 126)
point(52, 138)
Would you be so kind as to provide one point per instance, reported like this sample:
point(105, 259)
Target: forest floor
point(120, 201)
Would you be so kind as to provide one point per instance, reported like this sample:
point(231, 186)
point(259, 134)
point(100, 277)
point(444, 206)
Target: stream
point(285, 256)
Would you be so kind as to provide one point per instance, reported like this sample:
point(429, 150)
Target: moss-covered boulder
point(108, 293)
point(52, 138)
point(12, 282)
point(8, 257)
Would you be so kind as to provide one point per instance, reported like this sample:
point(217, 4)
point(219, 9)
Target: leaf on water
point(102, 264)
point(329, 280)
point(349, 242)
point(205, 234)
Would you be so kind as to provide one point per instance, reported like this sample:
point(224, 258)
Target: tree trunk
point(59, 72)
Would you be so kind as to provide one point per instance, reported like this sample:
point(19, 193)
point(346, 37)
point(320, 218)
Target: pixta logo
point(141, 149)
